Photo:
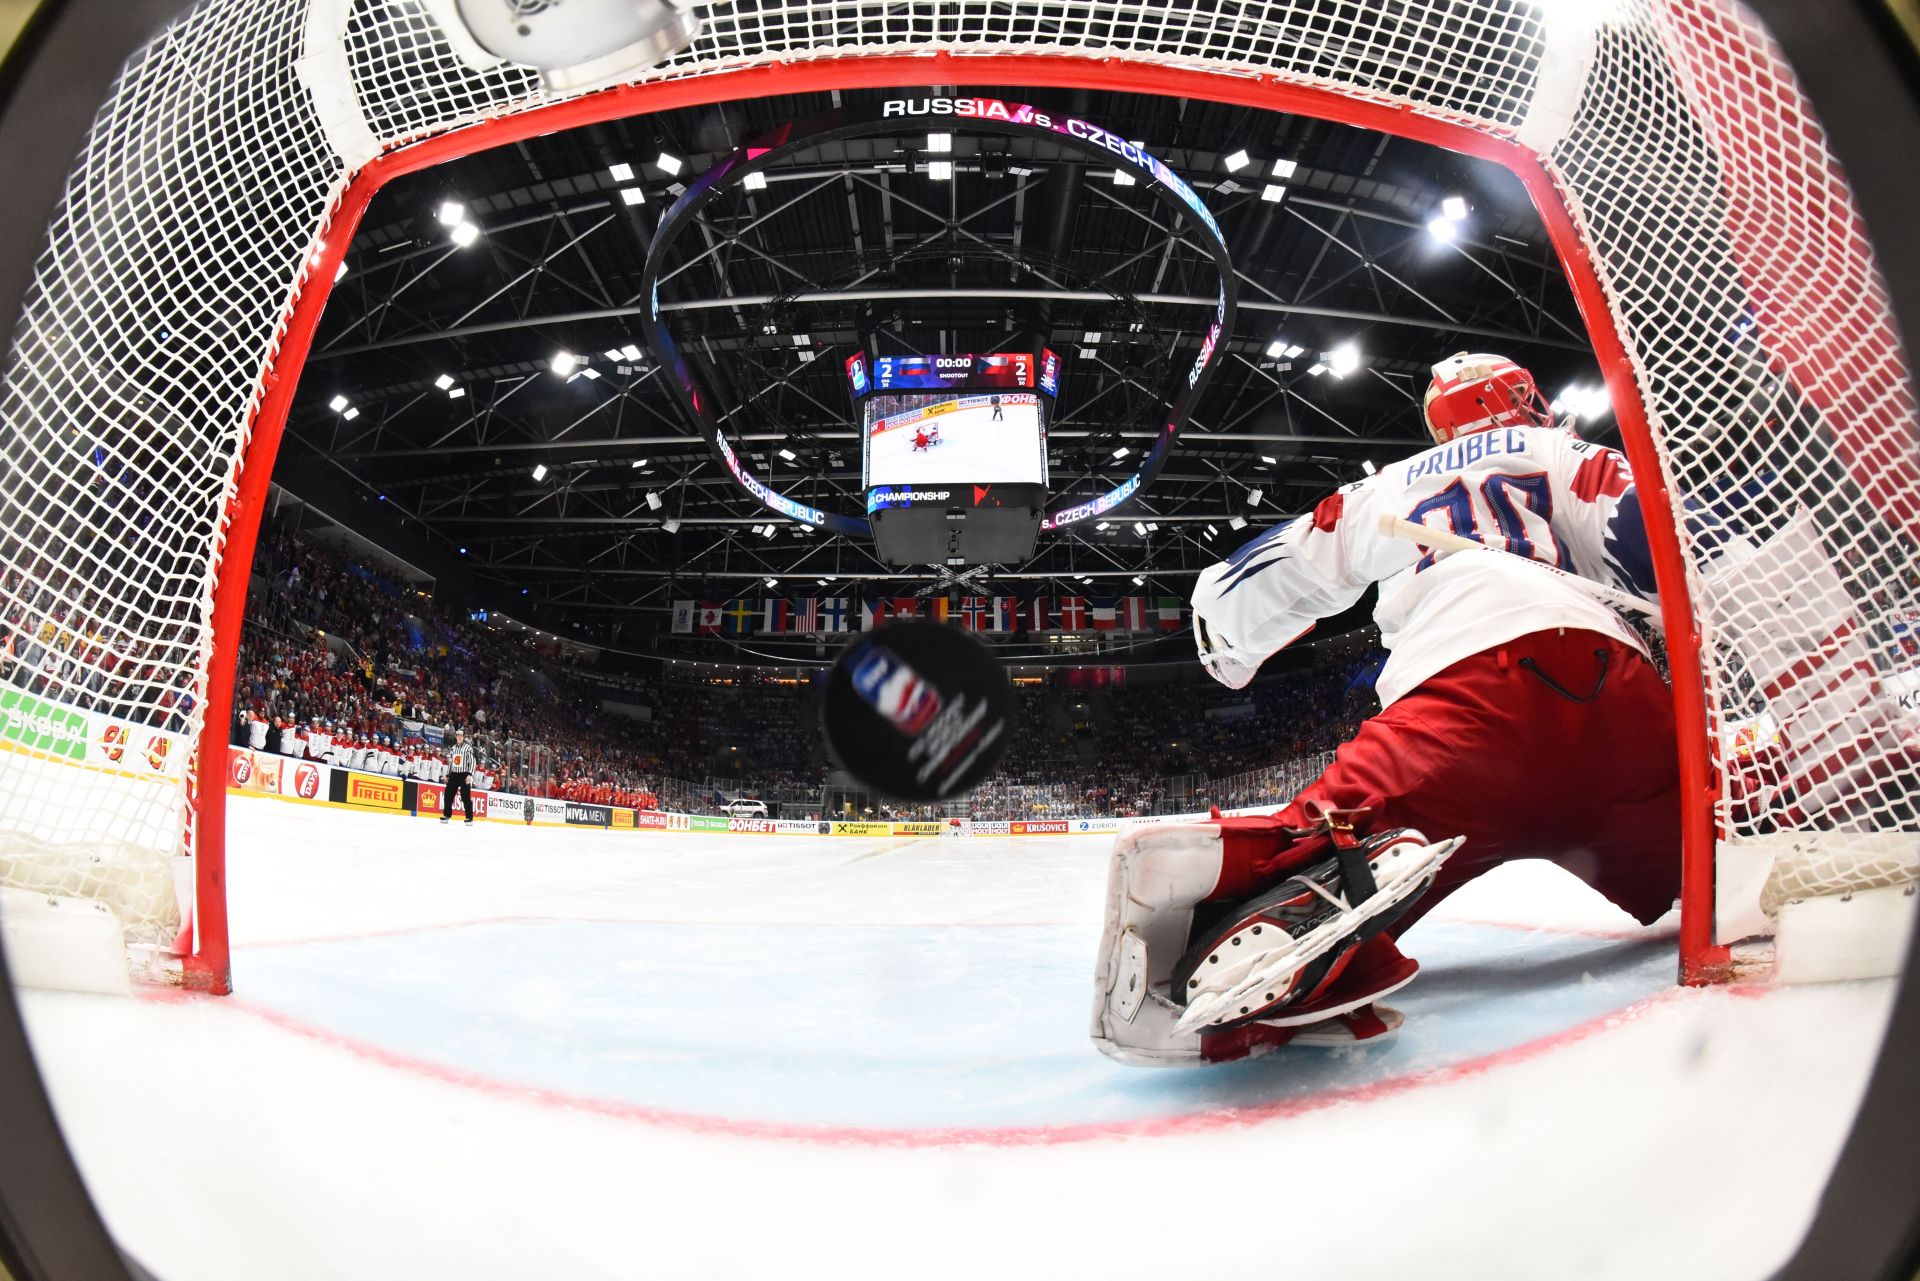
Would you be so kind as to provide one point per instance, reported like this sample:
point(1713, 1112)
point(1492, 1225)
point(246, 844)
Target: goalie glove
point(1232, 667)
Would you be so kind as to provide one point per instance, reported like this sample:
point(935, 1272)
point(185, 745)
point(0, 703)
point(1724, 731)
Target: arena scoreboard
point(953, 453)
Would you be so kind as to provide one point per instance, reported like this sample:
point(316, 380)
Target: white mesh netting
point(1717, 221)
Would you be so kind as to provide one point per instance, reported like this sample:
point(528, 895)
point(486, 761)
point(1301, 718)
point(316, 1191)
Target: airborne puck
point(917, 711)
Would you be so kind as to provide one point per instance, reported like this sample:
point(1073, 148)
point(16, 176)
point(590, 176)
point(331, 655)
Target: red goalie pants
point(1557, 745)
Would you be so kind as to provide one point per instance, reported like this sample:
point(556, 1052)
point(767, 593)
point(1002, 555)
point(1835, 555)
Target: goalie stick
point(1440, 540)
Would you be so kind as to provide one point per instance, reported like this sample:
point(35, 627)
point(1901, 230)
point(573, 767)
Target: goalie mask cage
point(1706, 229)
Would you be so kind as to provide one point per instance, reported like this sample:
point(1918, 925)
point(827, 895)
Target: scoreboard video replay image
point(954, 453)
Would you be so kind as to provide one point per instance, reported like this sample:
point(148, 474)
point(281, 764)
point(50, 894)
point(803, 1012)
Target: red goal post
point(1705, 229)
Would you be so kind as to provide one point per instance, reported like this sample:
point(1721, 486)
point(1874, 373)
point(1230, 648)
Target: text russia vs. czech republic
point(1020, 114)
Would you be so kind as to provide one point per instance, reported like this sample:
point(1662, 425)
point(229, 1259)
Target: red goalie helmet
point(1477, 392)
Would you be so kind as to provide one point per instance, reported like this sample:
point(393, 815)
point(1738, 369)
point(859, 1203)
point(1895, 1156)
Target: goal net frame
point(361, 92)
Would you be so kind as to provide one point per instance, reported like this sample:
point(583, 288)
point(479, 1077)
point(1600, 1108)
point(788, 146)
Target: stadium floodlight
point(632, 352)
point(940, 142)
point(755, 531)
point(1238, 522)
point(1121, 178)
point(1366, 465)
point(465, 234)
point(1237, 161)
point(1121, 452)
point(1103, 526)
point(564, 363)
point(1254, 496)
point(1153, 527)
point(1294, 349)
point(789, 455)
point(1453, 209)
point(770, 531)
point(1443, 229)
point(632, 196)
point(668, 164)
point(639, 463)
point(452, 213)
point(756, 181)
point(1091, 336)
point(1273, 193)
point(589, 373)
point(1212, 532)
point(352, 412)
point(940, 170)
point(1138, 581)
point(1343, 360)
point(821, 582)
point(339, 404)
point(456, 393)
point(773, 582)
point(444, 381)
point(1283, 169)
point(539, 471)
point(1269, 460)
point(621, 171)
point(1317, 370)
point(1089, 353)
point(613, 354)
point(1139, 529)
point(671, 525)
point(1277, 349)
point(653, 501)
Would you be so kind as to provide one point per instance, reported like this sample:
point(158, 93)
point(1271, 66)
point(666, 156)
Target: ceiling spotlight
point(1317, 369)
point(465, 234)
point(653, 501)
point(770, 531)
point(1277, 348)
point(639, 463)
point(1237, 161)
point(668, 163)
point(350, 413)
point(1103, 526)
point(1089, 353)
point(539, 471)
point(589, 373)
point(1254, 496)
point(1453, 208)
point(1153, 527)
point(1091, 336)
point(939, 142)
point(1273, 193)
point(1366, 465)
point(632, 196)
point(1121, 178)
point(338, 404)
point(940, 170)
point(632, 352)
point(1343, 360)
point(788, 454)
point(622, 172)
point(564, 363)
point(1212, 531)
point(821, 582)
point(1268, 459)
point(456, 393)
point(1121, 452)
point(1139, 529)
point(1139, 581)
point(452, 213)
point(756, 181)
point(612, 355)
point(1238, 522)
point(444, 381)
point(1285, 168)
point(670, 525)
point(1443, 229)
point(755, 531)
point(773, 582)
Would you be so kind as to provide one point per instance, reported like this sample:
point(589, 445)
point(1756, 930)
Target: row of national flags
point(778, 615)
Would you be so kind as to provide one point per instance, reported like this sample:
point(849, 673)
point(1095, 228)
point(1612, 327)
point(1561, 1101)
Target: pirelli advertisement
point(373, 791)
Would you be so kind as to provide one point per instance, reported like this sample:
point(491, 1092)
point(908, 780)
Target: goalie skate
point(1254, 967)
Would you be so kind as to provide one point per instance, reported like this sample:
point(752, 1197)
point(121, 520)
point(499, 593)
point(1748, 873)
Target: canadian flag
point(709, 624)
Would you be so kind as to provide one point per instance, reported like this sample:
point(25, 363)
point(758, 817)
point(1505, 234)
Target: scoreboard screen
point(980, 437)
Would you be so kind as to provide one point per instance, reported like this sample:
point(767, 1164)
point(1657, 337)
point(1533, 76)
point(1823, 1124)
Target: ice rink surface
point(511, 1052)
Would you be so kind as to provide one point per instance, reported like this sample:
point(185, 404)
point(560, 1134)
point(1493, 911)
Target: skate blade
point(1228, 997)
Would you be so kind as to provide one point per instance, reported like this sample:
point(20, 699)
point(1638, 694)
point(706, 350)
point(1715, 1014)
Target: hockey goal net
point(1706, 228)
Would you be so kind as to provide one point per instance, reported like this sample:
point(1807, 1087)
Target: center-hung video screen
point(976, 437)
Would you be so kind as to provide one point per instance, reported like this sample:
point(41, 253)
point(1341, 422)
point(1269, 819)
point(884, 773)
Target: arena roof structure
point(481, 371)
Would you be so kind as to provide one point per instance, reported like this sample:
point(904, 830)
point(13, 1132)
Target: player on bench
point(1521, 718)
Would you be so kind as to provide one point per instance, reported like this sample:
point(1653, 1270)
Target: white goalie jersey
point(1539, 493)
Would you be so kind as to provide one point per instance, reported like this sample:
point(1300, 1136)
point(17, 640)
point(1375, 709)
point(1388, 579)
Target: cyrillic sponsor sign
point(750, 825)
point(918, 829)
point(863, 829)
point(1039, 827)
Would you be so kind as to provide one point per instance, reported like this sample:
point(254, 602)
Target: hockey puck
point(917, 711)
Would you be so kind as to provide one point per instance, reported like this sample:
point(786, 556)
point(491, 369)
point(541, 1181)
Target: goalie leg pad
point(1155, 877)
point(1291, 943)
